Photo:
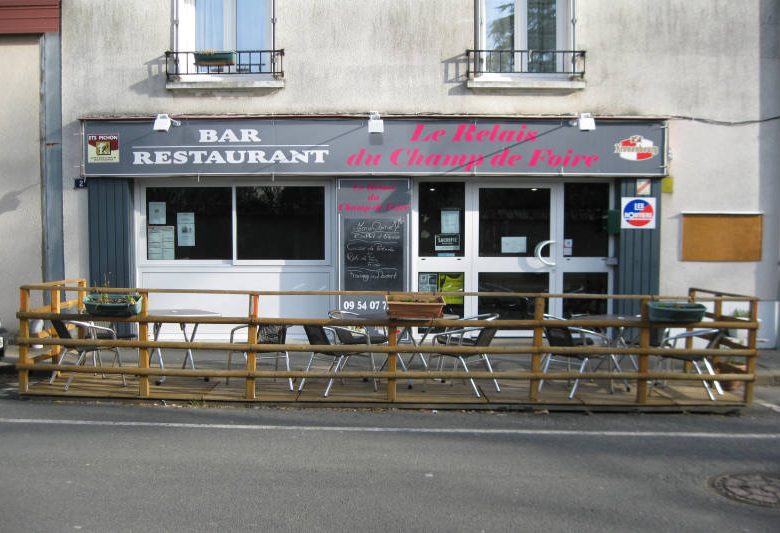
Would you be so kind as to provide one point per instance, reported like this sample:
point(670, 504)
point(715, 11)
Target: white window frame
point(227, 182)
point(184, 41)
point(185, 25)
point(564, 40)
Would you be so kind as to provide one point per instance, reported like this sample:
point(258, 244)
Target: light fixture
point(163, 122)
point(585, 122)
point(375, 123)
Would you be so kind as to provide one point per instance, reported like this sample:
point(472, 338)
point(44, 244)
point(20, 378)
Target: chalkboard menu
point(374, 254)
point(373, 240)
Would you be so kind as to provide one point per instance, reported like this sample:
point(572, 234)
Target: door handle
point(538, 253)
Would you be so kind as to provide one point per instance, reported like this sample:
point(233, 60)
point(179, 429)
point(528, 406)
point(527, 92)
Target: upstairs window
point(526, 37)
point(232, 25)
point(224, 37)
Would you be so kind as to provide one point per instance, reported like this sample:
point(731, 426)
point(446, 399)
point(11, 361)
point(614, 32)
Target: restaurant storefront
point(462, 204)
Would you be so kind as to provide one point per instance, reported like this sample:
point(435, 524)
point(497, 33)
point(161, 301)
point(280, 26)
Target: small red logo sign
point(636, 148)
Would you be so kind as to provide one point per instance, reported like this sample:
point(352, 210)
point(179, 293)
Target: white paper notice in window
point(160, 243)
point(513, 245)
point(450, 220)
point(156, 212)
point(185, 229)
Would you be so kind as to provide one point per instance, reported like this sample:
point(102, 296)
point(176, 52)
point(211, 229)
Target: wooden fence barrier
point(66, 303)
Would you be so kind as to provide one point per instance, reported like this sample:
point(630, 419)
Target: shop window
point(189, 223)
point(584, 283)
point(444, 282)
point(512, 221)
point(281, 223)
point(442, 219)
point(586, 208)
point(510, 307)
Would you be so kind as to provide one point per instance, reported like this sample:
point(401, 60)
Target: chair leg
point(229, 366)
point(545, 367)
point(466, 368)
point(287, 365)
point(490, 369)
point(342, 360)
point(118, 361)
point(706, 384)
point(82, 358)
point(711, 370)
point(308, 367)
point(577, 381)
point(54, 372)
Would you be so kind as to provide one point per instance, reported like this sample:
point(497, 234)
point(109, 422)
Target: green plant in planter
point(104, 303)
point(414, 298)
point(215, 57)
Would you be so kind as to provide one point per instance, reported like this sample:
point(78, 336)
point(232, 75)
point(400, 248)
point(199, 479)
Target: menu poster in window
point(185, 229)
point(160, 243)
point(373, 260)
point(450, 220)
point(156, 212)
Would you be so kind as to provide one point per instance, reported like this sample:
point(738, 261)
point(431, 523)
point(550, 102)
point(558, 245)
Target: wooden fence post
point(536, 357)
point(251, 357)
point(644, 358)
point(143, 353)
point(24, 331)
point(751, 361)
point(392, 341)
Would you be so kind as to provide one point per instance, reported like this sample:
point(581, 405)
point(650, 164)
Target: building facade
point(476, 145)
point(30, 174)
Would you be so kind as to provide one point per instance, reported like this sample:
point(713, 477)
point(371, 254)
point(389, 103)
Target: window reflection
point(512, 221)
point(280, 223)
point(442, 219)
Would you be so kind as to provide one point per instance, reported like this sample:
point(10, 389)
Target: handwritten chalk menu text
point(374, 218)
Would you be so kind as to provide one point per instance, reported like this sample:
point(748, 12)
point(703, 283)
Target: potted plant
point(207, 58)
point(676, 312)
point(414, 305)
point(113, 304)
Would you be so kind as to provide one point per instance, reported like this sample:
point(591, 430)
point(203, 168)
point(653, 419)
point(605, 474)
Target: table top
point(605, 317)
point(380, 315)
point(182, 312)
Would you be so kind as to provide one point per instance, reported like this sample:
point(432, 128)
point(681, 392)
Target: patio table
point(179, 313)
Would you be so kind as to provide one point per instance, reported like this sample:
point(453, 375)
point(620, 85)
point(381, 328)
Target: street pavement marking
point(349, 429)
point(770, 406)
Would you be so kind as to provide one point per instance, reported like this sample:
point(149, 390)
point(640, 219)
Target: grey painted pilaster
point(639, 253)
point(51, 158)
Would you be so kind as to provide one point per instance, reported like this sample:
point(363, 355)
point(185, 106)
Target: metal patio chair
point(93, 332)
point(266, 334)
point(473, 336)
point(570, 337)
point(318, 336)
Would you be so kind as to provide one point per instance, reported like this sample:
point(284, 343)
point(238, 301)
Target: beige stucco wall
point(20, 176)
point(704, 64)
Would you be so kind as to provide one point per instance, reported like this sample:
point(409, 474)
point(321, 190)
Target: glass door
point(501, 237)
point(443, 243)
point(515, 227)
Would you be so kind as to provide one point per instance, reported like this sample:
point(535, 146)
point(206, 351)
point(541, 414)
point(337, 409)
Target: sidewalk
point(767, 373)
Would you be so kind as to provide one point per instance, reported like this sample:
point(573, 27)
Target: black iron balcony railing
point(570, 62)
point(237, 62)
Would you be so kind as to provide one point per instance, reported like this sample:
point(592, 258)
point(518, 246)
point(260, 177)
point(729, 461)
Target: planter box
point(677, 312)
point(113, 304)
point(203, 59)
point(415, 306)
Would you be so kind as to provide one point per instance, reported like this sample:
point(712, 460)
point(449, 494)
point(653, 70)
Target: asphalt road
point(70, 466)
